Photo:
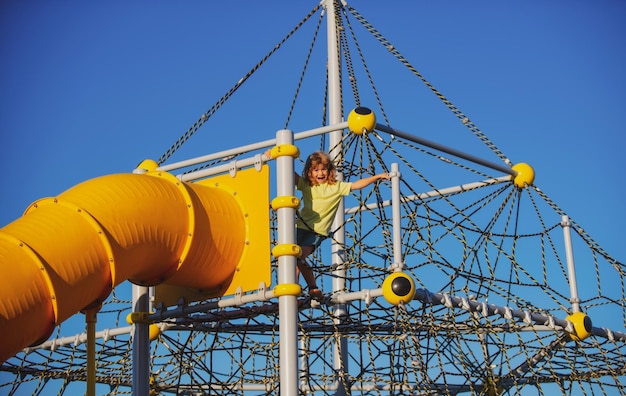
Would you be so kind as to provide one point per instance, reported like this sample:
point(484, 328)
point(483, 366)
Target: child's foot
point(316, 294)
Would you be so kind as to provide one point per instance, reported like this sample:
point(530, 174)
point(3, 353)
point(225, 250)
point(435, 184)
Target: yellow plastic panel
point(249, 192)
point(251, 187)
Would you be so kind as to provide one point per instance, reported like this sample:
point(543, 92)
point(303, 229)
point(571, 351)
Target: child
point(321, 195)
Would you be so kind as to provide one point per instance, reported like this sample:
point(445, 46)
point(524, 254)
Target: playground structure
point(435, 287)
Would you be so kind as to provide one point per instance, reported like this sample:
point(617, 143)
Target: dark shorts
point(308, 238)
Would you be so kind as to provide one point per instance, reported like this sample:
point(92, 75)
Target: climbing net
point(476, 255)
point(492, 290)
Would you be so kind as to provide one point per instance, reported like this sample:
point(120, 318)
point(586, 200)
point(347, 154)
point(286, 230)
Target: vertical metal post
point(141, 343)
point(304, 366)
point(398, 262)
point(571, 269)
point(287, 304)
point(91, 319)
point(336, 152)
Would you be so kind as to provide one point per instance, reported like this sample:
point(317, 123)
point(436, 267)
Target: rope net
point(479, 249)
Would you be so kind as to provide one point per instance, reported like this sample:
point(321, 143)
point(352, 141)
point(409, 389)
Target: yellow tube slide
point(67, 253)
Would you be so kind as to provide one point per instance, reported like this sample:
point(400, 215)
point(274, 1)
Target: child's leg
point(309, 277)
point(307, 273)
point(304, 268)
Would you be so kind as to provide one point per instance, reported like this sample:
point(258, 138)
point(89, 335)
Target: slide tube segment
point(67, 253)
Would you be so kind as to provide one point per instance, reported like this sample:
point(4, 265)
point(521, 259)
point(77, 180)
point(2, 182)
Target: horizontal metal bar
point(79, 338)
point(250, 147)
point(535, 322)
point(433, 193)
point(218, 155)
point(234, 166)
point(430, 298)
point(238, 299)
point(445, 149)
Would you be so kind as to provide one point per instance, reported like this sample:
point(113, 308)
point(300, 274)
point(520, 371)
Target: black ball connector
point(398, 288)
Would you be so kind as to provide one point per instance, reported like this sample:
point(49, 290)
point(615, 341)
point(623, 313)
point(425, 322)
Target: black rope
point(458, 113)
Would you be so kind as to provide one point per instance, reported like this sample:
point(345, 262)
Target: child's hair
point(316, 158)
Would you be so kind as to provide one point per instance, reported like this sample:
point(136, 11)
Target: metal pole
point(304, 365)
point(141, 343)
point(431, 194)
point(336, 152)
point(250, 147)
point(287, 304)
point(91, 319)
point(398, 262)
point(445, 149)
point(571, 270)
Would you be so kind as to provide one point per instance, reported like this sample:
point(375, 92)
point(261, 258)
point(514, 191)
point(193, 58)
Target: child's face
point(318, 174)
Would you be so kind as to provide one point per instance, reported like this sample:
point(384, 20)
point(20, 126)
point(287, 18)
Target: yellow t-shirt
point(320, 204)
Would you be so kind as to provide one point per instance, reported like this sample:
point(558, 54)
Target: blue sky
point(90, 89)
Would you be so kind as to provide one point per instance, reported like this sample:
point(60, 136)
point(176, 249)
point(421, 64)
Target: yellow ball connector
point(361, 120)
point(525, 175)
point(398, 288)
point(582, 326)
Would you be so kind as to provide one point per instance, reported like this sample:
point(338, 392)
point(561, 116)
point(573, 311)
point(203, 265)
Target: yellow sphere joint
point(582, 326)
point(147, 165)
point(154, 331)
point(525, 175)
point(285, 149)
point(285, 201)
point(287, 289)
point(361, 120)
point(398, 288)
point(286, 249)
